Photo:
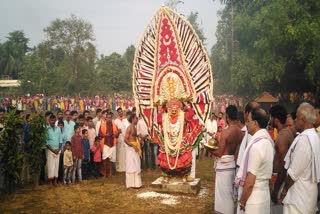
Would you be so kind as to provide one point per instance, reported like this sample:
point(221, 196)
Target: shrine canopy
point(266, 98)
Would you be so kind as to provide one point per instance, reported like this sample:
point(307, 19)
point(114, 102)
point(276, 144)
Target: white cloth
point(193, 163)
point(133, 180)
point(52, 164)
point(245, 140)
point(212, 127)
point(133, 162)
point(225, 173)
point(109, 152)
point(133, 168)
point(260, 163)
point(142, 129)
point(121, 151)
point(291, 209)
point(263, 208)
point(302, 162)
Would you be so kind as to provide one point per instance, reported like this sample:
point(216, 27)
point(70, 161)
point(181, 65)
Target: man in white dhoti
point(255, 169)
point(133, 153)
point(121, 123)
point(303, 166)
point(278, 117)
point(245, 140)
point(53, 144)
point(230, 140)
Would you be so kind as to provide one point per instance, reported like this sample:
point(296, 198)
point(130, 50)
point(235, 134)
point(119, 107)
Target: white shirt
point(212, 127)
point(245, 140)
point(121, 125)
point(142, 128)
point(260, 164)
point(303, 193)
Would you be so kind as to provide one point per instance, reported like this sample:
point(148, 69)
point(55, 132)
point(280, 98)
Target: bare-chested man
point(278, 117)
point(226, 166)
point(133, 153)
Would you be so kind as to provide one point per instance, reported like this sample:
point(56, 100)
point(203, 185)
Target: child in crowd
point(60, 124)
point(77, 153)
point(67, 163)
point(96, 149)
point(218, 134)
point(86, 149)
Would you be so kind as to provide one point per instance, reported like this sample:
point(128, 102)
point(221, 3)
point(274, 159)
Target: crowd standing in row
point(254, 148)
point(80, 147)
point(268, 164)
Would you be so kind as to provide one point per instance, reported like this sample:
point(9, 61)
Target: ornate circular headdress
point(171, 64)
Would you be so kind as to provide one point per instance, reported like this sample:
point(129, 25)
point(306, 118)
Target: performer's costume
point(171, 65)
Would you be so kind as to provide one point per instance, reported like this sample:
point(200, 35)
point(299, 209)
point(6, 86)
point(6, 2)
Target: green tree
point(36, 143)
point(10, 150)
point(193, 19)
point(74, 36)
point(111, 71)
point(12, 53)
point(276, 42)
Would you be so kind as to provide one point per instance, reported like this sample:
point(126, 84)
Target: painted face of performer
point(174, 111)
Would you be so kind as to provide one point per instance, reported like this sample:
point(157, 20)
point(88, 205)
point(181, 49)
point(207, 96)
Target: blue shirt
point(26, 127)
point(68, 130)
point(86, 148)
point(54, 137)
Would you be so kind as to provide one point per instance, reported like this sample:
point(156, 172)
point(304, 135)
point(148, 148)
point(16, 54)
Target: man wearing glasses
point(255, 169)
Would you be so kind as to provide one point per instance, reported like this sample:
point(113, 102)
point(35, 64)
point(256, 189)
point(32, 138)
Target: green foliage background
point(275, 47)
point(11, 150)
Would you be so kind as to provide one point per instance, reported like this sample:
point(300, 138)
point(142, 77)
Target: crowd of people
point(42, 103)
point(82, 147)
point(267, 160)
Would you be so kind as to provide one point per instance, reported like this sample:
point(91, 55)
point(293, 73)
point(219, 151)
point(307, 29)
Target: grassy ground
point(109, 196)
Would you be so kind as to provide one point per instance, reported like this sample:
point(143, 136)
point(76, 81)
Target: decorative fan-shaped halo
point(171, 62)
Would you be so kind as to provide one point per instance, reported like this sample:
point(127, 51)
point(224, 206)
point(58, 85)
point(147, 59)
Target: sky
point(117, 23)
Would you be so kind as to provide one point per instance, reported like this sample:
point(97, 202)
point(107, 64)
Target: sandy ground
point(111, 196)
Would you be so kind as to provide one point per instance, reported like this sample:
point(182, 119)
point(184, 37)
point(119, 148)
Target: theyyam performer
point(172, 85)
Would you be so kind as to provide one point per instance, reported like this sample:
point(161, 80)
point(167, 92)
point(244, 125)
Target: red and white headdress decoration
point(171, 64)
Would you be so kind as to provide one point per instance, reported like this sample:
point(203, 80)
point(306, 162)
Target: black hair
point(250, 106)
point(241, 116)
point(232, 112)
point(52, 116)
point(2, 110)
point(119, 109)
point(59, 112)
point(80, 117)
point(89, 118)
point(76, 126)
point(60, 122)
point(86, 111)
point(84, 131)
point(97, 138)
point(260, 116)
point(73, 113)
point(68, 143)
point(129, 113)
point(132, 116)
point(279, 112)
point(48, 113)
point(105, 111)
point(98, 110)
point(28, 116)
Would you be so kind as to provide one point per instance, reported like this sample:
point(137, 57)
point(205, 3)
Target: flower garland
point(172, 143)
